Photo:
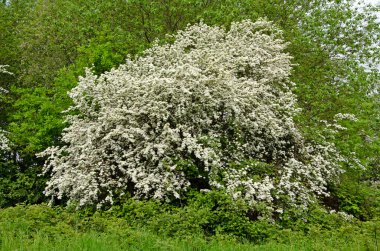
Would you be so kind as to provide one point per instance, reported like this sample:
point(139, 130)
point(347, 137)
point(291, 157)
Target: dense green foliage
point(47, 45)
point(148, 226)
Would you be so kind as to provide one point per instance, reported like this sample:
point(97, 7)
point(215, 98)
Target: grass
point(42, 228)
point(142, 240)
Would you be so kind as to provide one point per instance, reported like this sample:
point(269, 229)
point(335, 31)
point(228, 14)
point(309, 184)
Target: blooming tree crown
point(213, 110)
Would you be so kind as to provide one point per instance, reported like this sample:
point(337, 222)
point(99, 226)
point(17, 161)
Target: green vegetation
point(40, 227)
point(46, 46)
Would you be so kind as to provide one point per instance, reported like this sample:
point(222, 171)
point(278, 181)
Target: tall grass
point(141, 240)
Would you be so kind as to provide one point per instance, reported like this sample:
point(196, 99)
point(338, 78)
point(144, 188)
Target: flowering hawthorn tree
point(213, 110)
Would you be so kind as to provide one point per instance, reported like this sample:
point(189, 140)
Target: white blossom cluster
point(4, 143)
point(3, 69)
point(343, 215)
point(213, 108)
